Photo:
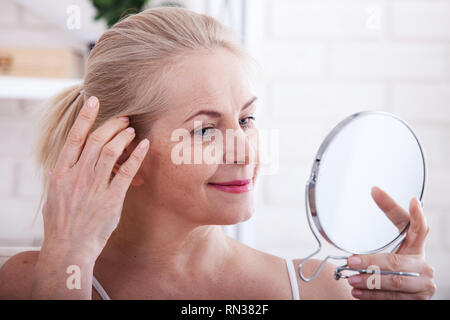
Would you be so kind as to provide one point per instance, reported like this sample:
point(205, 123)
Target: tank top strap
point(293, 279)
point(100, 289)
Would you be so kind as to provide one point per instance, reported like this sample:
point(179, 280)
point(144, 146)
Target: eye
point(201, 131)
point(246, 123)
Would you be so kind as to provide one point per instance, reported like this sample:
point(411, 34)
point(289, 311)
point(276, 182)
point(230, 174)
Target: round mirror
point(365, 150)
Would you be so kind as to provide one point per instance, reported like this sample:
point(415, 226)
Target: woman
point(125, 217)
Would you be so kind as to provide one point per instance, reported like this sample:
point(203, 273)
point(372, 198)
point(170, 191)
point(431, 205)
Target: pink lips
point(235, 186)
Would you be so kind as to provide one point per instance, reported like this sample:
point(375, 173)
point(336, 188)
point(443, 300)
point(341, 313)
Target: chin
point(227, 218)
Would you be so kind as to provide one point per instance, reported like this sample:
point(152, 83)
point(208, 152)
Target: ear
point(138, 180)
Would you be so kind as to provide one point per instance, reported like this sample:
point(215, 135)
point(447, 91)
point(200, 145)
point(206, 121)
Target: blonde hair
point(126, 70)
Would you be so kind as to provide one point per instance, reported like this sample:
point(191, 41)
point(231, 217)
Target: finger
point(393, 211)
point(76, 138)
point(122, 180)
point(383, 295)
point(111, 153)
point(386, 261)
point(389, 282)
point(418, 230)
point(99, 138)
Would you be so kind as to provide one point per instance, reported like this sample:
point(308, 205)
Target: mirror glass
point(365, 150)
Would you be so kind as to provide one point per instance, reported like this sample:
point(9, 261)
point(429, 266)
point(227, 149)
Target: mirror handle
point(338, 275)
point(300, 267)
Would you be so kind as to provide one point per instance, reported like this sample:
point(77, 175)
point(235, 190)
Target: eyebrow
point(216, 114)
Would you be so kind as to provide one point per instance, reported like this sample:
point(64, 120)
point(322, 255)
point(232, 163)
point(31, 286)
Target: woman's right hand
point(84, 204)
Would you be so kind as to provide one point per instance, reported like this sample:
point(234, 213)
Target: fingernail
point(92, 102)
point(143, 144)
point(129, 129)
point(354, 279)
point(418, 203)
point(124, 119)
point(354, 261)
point(356, 292)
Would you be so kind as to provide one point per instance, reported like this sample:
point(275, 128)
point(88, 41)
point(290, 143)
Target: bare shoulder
point(16, 275)
point(265, 274)
point(272, 267)
point(324, 286)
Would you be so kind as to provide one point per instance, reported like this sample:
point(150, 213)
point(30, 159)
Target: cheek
point(162, 171)
point(254, 139)
point(193, 177)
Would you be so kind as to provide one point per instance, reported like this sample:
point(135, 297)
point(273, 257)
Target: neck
point(159, 242)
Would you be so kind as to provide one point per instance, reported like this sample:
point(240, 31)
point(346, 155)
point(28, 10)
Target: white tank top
point(289, 264)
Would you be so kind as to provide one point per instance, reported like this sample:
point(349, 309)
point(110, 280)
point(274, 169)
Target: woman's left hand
point(410, 257)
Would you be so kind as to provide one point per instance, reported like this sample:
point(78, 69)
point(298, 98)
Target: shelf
point(32, 88)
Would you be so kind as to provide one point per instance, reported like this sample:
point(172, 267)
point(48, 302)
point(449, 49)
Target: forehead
point(216, 79)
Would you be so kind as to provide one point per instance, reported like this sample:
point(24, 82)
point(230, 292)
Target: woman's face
point(214, 82)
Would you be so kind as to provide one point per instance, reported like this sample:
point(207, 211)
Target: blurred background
point(321, 61)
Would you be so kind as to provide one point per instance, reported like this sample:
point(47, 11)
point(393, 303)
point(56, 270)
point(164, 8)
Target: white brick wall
point(308, 60)
point(403, 61)
point(421, 19)
point(326, 59)
point(313, 19)
point(407, 100)
point(321, 99)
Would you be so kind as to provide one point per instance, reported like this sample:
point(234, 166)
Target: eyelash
point(206, 128)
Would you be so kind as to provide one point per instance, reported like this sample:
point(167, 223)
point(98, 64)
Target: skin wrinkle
point(246, 106)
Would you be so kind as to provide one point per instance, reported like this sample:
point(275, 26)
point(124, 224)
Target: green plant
point(113, 10)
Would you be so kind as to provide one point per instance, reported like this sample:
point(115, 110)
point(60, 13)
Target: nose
point(240, 146)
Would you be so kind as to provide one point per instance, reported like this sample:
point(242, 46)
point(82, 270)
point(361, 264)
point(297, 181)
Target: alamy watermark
point(374, 281)
point(373, 21)
point(74, 280)
point(256, 146)
point(73, 17)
